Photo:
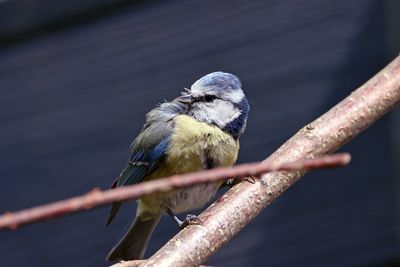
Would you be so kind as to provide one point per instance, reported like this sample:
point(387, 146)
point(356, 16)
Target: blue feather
point(220, 81)
point(143, 163)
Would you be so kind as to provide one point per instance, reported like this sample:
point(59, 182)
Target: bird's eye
point(209, 98)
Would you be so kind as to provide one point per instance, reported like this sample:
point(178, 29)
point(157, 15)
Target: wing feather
point(148, 151)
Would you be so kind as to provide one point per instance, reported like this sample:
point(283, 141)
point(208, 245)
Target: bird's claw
point(190, 220)
point(232, 182)
point(250, 179)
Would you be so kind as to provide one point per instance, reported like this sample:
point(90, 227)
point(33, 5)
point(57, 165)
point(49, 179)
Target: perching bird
point(198, 130)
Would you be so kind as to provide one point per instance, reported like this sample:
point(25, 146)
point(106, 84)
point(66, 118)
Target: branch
point(96, 198)
point(235, 209)
point(136, 263)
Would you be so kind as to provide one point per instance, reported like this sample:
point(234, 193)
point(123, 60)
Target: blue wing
point(149, 148)
point(142, 163)
point(148, 151)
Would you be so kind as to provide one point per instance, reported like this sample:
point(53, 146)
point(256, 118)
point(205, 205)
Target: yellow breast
point(192, 141)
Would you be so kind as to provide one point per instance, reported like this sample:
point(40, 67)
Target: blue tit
point(198, 130)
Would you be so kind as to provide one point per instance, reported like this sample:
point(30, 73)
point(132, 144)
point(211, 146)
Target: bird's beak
point(185, 99)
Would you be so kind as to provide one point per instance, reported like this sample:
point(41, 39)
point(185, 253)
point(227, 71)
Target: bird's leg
point(228, 183)
point(189, 220)
point(174, 217)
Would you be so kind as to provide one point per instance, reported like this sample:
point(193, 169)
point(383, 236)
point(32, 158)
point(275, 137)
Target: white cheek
point(221, 112)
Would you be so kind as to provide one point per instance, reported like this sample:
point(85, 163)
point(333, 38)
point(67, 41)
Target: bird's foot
point(232, 182)
point(190, 220)
point(250, 179)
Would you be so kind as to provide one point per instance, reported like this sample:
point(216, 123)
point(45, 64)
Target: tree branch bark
point(235, 209)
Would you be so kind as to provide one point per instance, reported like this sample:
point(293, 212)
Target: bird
point(198, 130)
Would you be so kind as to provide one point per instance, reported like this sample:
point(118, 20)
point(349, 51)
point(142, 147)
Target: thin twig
point(96, 198)
point(236, 208)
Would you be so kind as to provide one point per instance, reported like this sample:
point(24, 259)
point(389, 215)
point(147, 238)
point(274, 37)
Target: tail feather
point(133, 244)
point(115, 206)
point(113, 212)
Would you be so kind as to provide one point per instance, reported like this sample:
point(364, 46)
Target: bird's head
point(217, 98)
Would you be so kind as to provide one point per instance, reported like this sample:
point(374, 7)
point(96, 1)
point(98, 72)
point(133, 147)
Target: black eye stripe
point(205, 98)
point(209, 98)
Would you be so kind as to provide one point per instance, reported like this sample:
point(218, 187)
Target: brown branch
point(136, 263)
point(228, 215)
point(96, 198)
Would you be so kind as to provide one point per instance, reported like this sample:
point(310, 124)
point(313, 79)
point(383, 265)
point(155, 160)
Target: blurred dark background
point(77, 78)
